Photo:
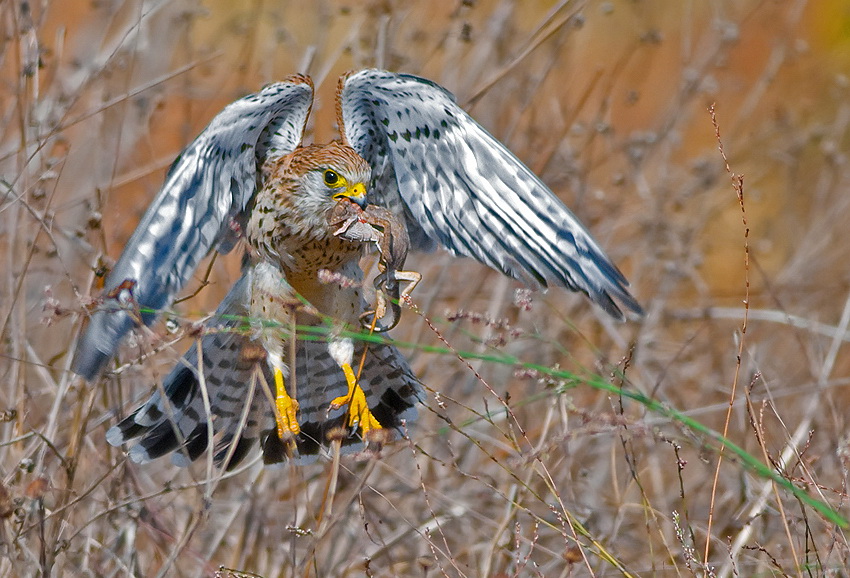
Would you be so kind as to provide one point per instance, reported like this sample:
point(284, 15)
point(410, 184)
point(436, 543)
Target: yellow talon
point(358, 410)
point(287, 423)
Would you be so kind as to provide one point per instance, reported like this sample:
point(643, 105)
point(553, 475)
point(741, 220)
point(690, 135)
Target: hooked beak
point(356, 193)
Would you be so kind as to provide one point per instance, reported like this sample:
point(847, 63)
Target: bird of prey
point(405, 146)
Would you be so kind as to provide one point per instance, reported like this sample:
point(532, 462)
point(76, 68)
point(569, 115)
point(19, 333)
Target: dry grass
point(607, 101)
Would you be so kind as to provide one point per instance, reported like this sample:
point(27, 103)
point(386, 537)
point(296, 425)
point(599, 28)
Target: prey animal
point(378, 225)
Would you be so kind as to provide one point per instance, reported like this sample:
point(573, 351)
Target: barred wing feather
point(460, 187)
point(200, 207)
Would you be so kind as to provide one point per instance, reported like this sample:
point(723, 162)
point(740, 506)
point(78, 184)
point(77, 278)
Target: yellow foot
point(287, 423)
point(359, 413)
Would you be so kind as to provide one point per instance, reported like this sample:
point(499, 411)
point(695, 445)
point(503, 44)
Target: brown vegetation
point(509, 471)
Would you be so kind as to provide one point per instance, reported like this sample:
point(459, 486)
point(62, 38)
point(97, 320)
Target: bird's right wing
point(200, 207)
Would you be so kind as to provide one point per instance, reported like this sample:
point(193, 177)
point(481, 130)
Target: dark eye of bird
point(331, 178)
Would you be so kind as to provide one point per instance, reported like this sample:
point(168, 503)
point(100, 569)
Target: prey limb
point(382, 227)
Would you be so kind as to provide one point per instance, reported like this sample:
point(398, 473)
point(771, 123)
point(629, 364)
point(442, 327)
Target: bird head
point(345, 189)
point(319, 177)
point(331, 172)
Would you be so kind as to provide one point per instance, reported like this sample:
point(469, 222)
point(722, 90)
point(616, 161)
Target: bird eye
point(331, 178)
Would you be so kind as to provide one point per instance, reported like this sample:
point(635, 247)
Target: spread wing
point(460, 187)
point(200, 207)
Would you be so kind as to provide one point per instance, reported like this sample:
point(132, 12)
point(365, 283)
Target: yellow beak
point(355, 192)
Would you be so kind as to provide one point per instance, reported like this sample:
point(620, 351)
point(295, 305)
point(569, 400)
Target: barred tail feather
point(232, 366)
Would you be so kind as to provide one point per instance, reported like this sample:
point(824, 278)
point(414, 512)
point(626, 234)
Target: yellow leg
point(358, 410)
point(287, 423)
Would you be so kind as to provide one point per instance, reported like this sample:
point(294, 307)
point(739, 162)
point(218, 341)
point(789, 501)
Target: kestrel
point(406, 148)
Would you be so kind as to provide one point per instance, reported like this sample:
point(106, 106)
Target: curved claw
point(386, 286)
point(396, 309)
point(367, 317)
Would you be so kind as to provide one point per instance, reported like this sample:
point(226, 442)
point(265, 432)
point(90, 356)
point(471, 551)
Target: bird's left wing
point(200, 207)
point(460, 187)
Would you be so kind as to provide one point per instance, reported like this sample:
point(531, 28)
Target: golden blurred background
point(608, 102)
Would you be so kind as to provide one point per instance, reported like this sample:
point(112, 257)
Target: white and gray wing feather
point(200, 207)
point(460, 187)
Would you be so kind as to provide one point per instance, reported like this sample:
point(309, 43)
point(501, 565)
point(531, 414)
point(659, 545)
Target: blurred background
point(608, 102)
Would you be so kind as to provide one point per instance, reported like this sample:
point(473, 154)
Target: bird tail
point(221, 393)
